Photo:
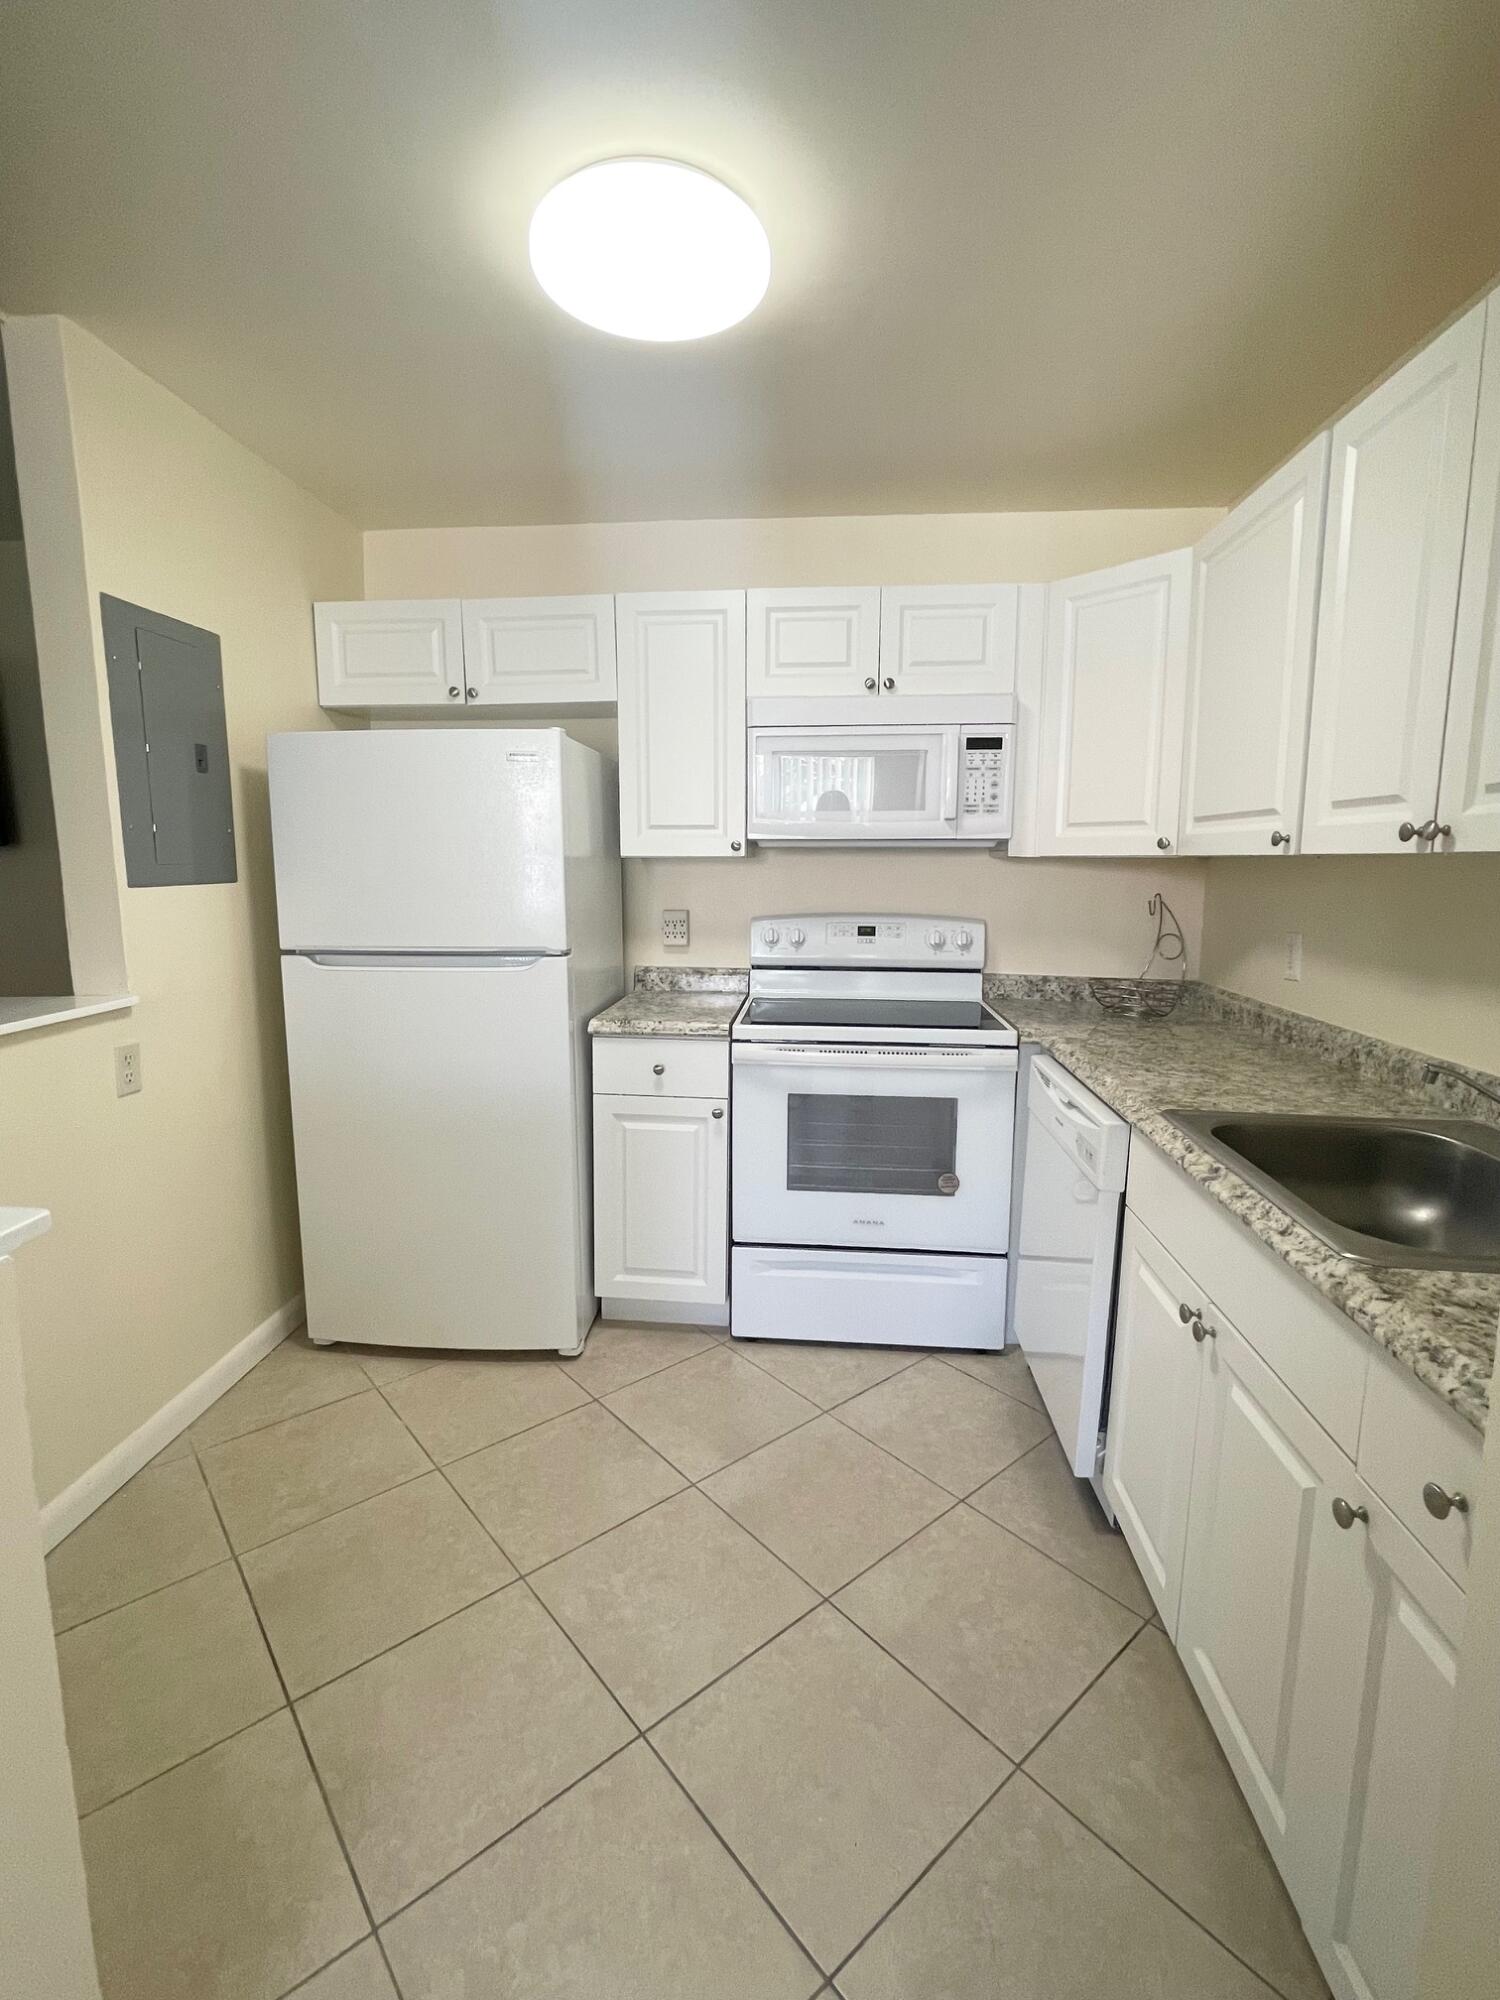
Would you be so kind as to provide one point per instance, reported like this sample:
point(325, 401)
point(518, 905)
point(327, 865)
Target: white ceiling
point(1029, 253)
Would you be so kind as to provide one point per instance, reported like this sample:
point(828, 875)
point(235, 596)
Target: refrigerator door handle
point(454, 961)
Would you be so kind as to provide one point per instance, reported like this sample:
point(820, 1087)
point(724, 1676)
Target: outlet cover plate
point(127, 1069)
point(674, 928)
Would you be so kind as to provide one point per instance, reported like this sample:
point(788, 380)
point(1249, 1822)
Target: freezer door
point(437, 1150)
point(423, 840)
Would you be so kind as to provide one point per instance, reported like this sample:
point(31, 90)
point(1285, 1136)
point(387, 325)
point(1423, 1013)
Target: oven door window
point(871, 1145)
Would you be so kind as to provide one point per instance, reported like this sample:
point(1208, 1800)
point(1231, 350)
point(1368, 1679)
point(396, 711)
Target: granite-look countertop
point(647, 1012)
point(1440, 1324)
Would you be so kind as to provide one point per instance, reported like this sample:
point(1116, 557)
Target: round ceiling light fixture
point(649, 250)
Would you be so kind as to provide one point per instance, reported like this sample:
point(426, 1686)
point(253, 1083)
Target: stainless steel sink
point(1422, 1193)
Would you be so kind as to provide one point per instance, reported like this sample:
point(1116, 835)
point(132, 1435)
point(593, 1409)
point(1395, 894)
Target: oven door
point(883, 1148)
point(873, 783)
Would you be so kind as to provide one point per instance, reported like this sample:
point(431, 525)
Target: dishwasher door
point(1065, 1255)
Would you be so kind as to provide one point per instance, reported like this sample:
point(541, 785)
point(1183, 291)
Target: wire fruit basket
point(1134, 999)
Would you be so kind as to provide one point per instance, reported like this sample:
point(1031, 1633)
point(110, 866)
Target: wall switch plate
point(674, 928)
point(1293, 966)
point(127, 1069)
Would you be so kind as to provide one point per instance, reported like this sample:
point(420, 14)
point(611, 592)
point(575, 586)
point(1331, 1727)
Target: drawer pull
point(718, 1111)
point(658, 1069)
point(1440, 1503)
point(1346, 1516)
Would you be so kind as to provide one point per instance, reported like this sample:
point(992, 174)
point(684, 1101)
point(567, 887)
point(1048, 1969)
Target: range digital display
point(864, 930)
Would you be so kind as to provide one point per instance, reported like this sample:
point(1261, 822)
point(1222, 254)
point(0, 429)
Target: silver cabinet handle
point(1162, 842)
point(658, 1069)
point(734, 847)
point(1203, 1331)
point(1439, 832)
point(454, 693)
point(1346, 1516)
point(1440, 1503)
point(718, 1111)
point(871, 683)
point(1281, 840)
point(473, 693)
point(889, 683)
point(1408, 830)
point(1186, 1313)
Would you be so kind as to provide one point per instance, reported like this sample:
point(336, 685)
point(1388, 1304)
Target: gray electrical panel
point(166, 703)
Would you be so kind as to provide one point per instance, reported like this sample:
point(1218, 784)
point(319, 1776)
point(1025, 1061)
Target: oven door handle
point(921, 1062)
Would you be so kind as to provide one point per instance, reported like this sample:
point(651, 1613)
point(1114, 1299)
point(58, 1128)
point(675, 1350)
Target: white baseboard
point(662, 1312)
point(75, 1503)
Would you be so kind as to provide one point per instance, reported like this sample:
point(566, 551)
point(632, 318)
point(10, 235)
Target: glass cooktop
point(798, 1012)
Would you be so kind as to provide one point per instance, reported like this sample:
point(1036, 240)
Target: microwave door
point(854, 784)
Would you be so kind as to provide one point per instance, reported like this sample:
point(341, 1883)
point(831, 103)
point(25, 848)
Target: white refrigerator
point(448, 902)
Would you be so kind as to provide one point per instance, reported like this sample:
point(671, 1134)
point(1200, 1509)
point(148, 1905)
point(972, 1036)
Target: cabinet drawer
point(1409, 1440)
point(661, 1066)
point(1320, 1355)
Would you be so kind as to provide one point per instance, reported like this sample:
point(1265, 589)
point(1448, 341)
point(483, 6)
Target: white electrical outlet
point(127, 1069)
point(674, 928)
point(1293, 967)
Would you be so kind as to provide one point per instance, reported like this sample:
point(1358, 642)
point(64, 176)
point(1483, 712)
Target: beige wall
point(1050, 916)
point(174, 1220)
point(1406, 947)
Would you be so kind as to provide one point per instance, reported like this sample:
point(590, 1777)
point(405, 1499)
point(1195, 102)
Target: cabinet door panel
point(682, 722)
point(661, 1215)
point(390, 654)
point(1397, 498)
point(1255, 598)
point(1469, 798)
point(814, 642)
point(949, 639)
point(1153, 1405)
point(1370, 1748)
point(539, 650)
point(1110, 762)
point(1262, 1470)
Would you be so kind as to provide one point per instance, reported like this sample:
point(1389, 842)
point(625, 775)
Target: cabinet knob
point(1346, 1516)
point(734, 846)
point(658, 1069)
point(1203, 1331)
point(454, 693)
point(1186, 1313)
point(889, 684)
point(1440, 1503)
point(871, 683)
point(1407, 830)
point(473, 694)
point(1281, 840)
point(718, 1111)
point(1162, 842)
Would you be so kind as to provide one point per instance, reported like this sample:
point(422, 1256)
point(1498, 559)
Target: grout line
point(141, 1783)
point(254, 1430)
point(746, 1352)
point(254, 1548)
point(774, 1908)
point(724, 1673)
point(925, 1873)
point(61, 1631)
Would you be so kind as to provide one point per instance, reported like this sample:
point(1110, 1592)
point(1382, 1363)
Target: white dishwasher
point(1065, 1247)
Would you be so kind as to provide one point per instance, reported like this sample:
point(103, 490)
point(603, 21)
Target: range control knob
point(936, 939)
point(963, 939)
point(796, 937)
point(769, 936)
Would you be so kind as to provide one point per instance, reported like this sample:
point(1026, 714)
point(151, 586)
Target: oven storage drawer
point(876, 1298)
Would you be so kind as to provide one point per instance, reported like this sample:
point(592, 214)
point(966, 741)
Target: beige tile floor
point(681, 1668)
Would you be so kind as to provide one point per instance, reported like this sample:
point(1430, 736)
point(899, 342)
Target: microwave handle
point(951, 758)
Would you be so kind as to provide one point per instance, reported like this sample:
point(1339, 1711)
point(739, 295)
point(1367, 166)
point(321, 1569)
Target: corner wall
point(1406, 947)
point(174, 1213)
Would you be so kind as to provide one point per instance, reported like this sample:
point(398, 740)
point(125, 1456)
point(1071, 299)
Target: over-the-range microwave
point(881, 773)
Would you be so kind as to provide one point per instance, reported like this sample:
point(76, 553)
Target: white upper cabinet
point(1255, 604)
point(1109, 750)
point(682, 722)
point(552, 651)
point(1469, 796)
point(403, 654)
point(949, 638)
point(1397, 496)
point(814, 642)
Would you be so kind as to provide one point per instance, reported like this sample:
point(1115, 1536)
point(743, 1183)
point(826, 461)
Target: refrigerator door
point(437, 1158)
point(425, 840)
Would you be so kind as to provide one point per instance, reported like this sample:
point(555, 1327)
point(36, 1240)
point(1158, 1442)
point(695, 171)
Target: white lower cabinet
point(1153, 1410)
point(661, 1183)
point(1319, 1634)
point(1370, 1746)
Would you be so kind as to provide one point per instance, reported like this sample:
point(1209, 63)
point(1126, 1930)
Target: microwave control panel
point(984, 783)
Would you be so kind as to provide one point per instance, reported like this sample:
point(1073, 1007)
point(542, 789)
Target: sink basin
point(1422, 1193)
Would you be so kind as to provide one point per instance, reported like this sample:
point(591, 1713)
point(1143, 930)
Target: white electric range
point(874, 1103)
